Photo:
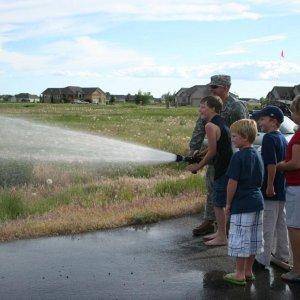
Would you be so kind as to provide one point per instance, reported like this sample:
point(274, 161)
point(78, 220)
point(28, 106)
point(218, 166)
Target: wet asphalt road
point(160, 261)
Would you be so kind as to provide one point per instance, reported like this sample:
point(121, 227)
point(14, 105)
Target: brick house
point(281, 93)
point(297, 90)
point(192, 96)
point(71, 93)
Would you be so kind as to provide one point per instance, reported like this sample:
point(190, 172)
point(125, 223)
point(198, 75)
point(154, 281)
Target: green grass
point(11, 206)
point(175, 187)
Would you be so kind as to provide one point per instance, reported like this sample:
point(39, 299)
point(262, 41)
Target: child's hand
point(279, 166)
point(194, 168)
point(270, 191)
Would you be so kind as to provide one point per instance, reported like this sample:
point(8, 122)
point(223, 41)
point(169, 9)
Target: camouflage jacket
point(233, 110)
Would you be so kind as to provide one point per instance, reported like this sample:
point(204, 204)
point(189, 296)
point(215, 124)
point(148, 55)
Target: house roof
point(56, 91)
point(119, 97)
point(182, 90)
point(196, 87)
point(89, 90)
point(26, 95)
point(71, 90)
point(284, 92)
point(189, 91)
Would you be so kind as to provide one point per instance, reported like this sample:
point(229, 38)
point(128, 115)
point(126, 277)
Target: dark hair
point(213, 102)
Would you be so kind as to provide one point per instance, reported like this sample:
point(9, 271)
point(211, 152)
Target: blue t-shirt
point(246, 167)
point(273, 150)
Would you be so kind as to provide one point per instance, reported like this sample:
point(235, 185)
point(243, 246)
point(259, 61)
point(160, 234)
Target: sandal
point(231, 278)
point(250, 278)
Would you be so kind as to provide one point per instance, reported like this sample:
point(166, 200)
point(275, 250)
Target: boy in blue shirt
point(273, 151)
point(244, 201)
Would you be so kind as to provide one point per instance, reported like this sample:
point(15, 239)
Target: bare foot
point(210, 236)
point(217, 241)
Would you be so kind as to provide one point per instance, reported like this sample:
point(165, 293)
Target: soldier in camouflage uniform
point(233, 110)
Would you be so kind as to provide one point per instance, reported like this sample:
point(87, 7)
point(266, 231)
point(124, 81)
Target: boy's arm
point(231, 189)
point(294, 163)
point(270, 183)
point(268, 153)
point(211, 133)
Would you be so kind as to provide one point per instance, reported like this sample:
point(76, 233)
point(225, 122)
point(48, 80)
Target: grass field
point(79, 199)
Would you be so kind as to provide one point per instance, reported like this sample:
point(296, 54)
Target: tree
point(170, 99)
point(263, 101)
point(112, 99)
point(143, 98)
point(128, 98)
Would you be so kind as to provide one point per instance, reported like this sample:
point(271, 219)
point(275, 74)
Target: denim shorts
point(220, 191)
point(292, 206)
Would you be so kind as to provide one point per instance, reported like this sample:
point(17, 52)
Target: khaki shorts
point(293, 206)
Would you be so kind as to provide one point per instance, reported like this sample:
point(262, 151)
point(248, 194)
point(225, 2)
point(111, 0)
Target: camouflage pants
point(209, 213)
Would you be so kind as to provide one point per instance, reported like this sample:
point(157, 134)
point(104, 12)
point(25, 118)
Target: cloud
point(243, 46)
point(83, 56)
point(246, 70)
point(36, 11)
point(264, 39)
point(33, 18)
point(233, 51)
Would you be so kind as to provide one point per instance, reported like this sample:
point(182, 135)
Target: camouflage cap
point(222, 80)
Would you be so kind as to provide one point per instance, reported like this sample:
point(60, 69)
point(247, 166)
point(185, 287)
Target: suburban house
point(249, 100)
point(283, 93)
point(26, 97)
point(119, 98)
point(297, 90)
point(71, 93)
point(252, 101)
point(192, 96)
point(122, 98)
point(8, 98)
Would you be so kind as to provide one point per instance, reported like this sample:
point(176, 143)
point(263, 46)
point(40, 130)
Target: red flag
point(282, 54)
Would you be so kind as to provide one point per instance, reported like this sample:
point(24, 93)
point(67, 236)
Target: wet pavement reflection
point(160, 261)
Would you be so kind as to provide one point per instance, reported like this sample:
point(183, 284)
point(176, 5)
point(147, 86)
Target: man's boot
point(204, 228)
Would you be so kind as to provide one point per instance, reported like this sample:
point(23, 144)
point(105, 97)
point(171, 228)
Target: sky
point(156, 46)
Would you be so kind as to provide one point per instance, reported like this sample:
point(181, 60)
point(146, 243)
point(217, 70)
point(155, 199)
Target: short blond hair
point(295, 106)
point(246, 128)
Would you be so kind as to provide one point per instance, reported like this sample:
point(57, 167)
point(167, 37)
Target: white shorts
point(292, 206)
point(245, 234)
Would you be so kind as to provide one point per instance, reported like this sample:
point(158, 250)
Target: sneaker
point(204, 228)
point(291, 277)
point(258, 266)
point(280, 263)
